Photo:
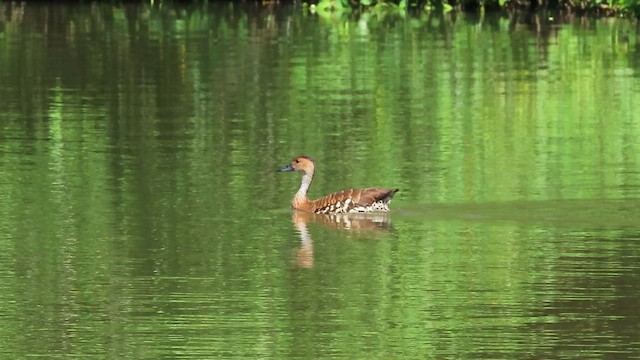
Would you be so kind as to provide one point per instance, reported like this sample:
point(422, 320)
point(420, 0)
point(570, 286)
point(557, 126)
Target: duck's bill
point(285, 168)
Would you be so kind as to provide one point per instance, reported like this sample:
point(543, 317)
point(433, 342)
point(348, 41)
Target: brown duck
point(346, 201)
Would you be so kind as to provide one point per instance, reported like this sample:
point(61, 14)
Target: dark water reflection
point(140, 216)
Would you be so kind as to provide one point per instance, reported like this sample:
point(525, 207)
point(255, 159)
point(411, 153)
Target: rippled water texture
point(141, 216)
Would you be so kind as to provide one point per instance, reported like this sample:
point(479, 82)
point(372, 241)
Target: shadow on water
point(358, 225)
point(597, 213)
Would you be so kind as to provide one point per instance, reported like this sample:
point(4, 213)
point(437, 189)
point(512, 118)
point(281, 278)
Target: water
point(141, 215)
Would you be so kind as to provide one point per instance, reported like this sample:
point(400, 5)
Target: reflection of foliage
point(213, 74)
point(599, 7)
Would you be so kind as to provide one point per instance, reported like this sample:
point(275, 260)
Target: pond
point(142, 217)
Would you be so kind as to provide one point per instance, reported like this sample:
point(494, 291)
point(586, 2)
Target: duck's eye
point(297, 161)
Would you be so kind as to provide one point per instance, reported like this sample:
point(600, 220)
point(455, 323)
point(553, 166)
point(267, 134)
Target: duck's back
point(354, 201)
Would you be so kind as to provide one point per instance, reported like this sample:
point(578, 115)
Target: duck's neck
point(301, 196)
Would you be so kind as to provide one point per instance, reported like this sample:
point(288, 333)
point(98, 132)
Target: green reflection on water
point(142, 217)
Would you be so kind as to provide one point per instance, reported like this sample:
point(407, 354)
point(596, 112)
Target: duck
point(346, 201)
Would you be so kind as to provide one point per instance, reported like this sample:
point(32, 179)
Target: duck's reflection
point(356, 224)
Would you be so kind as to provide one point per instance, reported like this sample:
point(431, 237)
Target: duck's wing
point(355, 200)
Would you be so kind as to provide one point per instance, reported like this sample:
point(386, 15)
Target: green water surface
point(141, 216)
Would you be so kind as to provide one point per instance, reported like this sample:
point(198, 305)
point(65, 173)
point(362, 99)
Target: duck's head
point(303, 164)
